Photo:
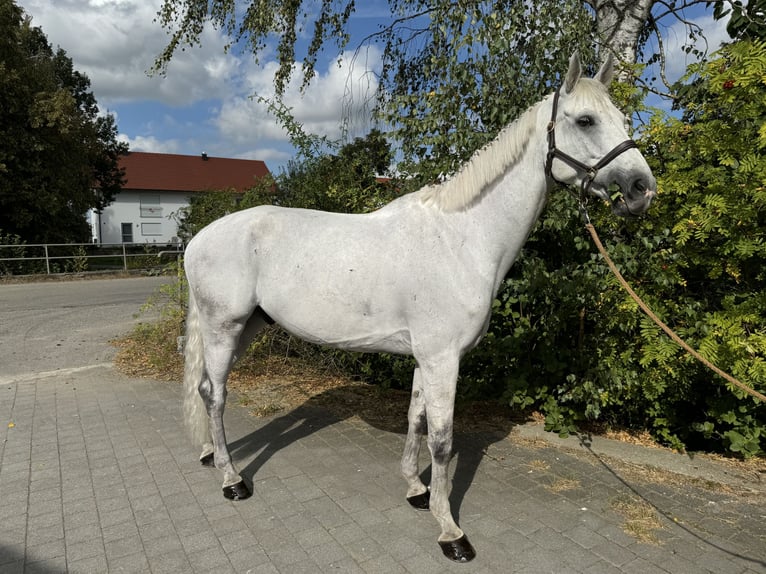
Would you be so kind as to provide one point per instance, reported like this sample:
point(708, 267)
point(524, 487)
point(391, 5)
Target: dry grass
point(279, 388)
point(150, 351)
point(637, 437)
point(554, 483)
point(538, 465)
point(640, 518)
point(562, 484)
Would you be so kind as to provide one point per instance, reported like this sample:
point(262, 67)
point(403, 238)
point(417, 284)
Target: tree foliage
point(746, 21)
point(55, 148)
point(470, 70)
point(346, 182)
point(712, 162)
point(282, 21)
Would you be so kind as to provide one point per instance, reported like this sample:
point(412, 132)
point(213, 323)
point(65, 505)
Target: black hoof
point(238, 491)
point(207, 460)
point(420, 501)
point(459, 550)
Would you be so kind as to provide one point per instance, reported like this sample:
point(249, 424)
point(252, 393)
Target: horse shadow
point(469, 446)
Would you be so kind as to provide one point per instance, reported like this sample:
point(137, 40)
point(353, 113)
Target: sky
point(204, 102)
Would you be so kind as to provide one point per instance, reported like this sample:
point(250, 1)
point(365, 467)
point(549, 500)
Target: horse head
point(588, 134)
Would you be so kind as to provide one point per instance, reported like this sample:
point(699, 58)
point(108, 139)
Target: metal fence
point(53, 258)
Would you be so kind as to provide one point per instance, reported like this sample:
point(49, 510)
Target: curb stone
point(691, 465)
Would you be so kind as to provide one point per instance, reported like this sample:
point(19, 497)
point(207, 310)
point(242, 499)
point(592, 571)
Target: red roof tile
point(171, 172)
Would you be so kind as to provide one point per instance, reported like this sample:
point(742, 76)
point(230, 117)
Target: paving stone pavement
point(97, 475)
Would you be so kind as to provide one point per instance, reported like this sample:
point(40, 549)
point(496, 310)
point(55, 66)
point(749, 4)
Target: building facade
point(157, 186)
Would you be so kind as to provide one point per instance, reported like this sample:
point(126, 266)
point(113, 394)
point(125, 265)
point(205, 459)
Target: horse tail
point(195, 413)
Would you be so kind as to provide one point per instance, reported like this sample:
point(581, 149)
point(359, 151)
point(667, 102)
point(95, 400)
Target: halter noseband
point(590, 171)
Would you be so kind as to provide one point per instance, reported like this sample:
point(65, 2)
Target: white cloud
point(149, 144)
point(343, 91)
point(115, 43)
point(677, 36)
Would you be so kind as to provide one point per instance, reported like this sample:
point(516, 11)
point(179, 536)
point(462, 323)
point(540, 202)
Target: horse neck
point(502, 219)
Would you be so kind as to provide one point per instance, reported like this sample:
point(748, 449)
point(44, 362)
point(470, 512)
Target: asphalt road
point(64, 325)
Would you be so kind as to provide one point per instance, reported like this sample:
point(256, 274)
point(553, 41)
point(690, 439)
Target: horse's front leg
point(417, 492)
point(439, 379)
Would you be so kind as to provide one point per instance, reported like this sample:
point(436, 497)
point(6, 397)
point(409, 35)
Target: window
point(151, 229)
point(150, 205)
point(127, 232)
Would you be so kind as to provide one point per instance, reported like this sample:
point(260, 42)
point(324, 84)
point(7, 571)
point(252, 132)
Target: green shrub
point(15, 247)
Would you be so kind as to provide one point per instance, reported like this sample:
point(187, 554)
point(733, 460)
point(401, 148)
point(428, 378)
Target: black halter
point(590, 171)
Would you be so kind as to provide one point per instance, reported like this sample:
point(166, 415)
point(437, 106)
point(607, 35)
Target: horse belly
point(337, 319)
point(358, 337)
point(341, 300)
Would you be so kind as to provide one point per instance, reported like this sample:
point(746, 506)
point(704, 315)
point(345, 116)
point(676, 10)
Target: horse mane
point(484, 167)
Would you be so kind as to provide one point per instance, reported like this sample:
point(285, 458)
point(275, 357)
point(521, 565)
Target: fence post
point(47, 261)
point(124, 258)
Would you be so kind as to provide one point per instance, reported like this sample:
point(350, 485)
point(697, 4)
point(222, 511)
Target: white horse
point(416, 277)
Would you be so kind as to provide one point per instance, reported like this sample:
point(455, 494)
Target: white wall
point(147, 225)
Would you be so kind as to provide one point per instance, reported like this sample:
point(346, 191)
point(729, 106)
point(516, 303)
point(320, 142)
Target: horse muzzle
point(635, 197)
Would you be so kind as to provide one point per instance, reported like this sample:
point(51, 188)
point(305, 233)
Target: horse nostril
point(643, 188)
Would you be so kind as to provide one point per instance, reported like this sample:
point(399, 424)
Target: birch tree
point(620, 24)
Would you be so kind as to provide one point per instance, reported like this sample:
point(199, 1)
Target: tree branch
point(660, 44)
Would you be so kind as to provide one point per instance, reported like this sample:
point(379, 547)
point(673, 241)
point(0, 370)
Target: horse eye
point(584, 121)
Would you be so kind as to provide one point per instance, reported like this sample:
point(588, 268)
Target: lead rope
point(645, 308)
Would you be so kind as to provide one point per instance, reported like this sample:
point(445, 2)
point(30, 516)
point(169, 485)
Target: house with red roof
point(158, 185)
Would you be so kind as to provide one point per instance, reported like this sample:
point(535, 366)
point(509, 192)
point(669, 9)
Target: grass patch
point(150, 351)
point(538, 465)
point(562, 484)
point(640, 518)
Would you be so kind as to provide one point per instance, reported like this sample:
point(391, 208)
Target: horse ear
point(606, 72)
point(574, 72)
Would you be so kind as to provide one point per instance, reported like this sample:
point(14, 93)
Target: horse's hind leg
point(257, 321)
point(417, 493)
point(222, 349)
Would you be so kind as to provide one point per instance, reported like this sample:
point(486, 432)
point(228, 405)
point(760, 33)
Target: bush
point(13, 247)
